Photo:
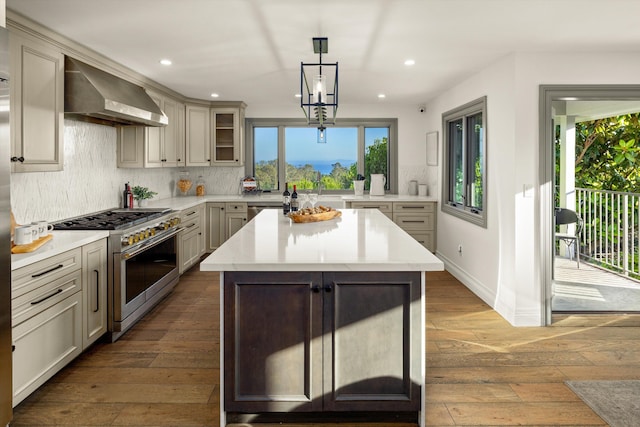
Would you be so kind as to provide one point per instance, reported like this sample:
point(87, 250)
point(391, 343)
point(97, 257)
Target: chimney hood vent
point(99, 97)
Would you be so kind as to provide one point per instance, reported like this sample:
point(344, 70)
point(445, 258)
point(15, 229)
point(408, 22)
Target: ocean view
point(324, 166)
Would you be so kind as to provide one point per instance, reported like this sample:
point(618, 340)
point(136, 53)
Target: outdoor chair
point(566, 217)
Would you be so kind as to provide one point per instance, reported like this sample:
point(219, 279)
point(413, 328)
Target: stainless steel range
point(143, 259)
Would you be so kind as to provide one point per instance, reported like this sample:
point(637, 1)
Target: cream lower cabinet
point(235, 218)
point(47, 314)
point(216, 224)
point(94, 295)
point(418, 219)
point(191, 244)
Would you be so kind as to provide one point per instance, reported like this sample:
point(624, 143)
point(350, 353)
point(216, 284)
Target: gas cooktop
point(112, 219)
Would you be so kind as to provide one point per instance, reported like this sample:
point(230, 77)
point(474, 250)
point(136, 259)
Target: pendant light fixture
point(319, 89)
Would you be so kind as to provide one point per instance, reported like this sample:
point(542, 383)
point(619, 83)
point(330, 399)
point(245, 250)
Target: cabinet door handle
point(47, 297)
point(17, 159)
point(315, 289)
point(97, 291)
point(328, 288)
point(59, 266)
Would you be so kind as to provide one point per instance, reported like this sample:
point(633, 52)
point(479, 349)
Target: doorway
point(588, 286)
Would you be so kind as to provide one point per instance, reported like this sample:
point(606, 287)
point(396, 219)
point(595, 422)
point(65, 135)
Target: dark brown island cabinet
point(324, 336)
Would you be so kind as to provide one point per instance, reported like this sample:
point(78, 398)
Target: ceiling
point(250, 50)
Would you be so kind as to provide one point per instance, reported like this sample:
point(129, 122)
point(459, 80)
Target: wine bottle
point(294, 199)
point(286, 199)
point(125, 196)
point(130, 194)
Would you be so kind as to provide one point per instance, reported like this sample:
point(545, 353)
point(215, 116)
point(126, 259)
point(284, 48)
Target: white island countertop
point(359, 240)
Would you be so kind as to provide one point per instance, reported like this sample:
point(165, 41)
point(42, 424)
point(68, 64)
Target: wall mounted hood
point(99, 97)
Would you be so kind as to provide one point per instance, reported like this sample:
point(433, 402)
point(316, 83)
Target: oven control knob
point(130, 240)
point(125, 241)
point(142, 235)
point(147, 233)
point(152, 230)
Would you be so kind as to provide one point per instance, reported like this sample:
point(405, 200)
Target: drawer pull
point(47, 297)
point(406, 221)
point(412, 207)
point(191, 213)
point(59, 266)
point(191, 225)
point(97, 291)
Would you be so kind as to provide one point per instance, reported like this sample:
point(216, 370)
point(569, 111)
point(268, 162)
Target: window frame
point(464, 210)
point(360, 124)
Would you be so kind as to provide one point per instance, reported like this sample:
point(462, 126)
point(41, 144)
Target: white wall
point(502, 263)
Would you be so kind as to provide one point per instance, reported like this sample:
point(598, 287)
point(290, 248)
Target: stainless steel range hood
point(96, 96)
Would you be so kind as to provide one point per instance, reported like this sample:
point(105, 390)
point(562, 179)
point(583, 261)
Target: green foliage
point(340, 178)
point(607, 153)
point(142, 193)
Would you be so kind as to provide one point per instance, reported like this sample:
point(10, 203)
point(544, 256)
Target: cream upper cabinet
point(198, 131)
point(215, 135)
point(164, 146)
point(37, 104)
point(151, 146)
point(130, 146)
point(227, 136)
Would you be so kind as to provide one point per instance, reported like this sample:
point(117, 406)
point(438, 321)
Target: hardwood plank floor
point(480, 370)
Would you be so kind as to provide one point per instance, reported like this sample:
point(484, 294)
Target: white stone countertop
point(62, 241)
point(359, 240)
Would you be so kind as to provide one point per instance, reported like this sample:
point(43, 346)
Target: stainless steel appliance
point(5, 239)
point(255, 207)
point(143, 259)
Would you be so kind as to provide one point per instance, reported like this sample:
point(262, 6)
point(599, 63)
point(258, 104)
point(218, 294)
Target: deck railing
point(611, 229)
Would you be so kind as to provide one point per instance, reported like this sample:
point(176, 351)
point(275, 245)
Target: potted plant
point(142, 195)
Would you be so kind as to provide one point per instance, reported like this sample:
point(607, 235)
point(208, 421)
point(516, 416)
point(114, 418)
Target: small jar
point(200, 189)
point(184, 183)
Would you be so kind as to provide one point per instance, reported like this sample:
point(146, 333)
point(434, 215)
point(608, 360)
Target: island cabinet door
point(273, 343)
point(372, 344)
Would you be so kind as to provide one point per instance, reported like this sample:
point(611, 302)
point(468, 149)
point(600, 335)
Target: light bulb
point(322, 135)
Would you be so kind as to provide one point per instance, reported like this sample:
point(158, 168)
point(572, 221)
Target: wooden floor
point(480, 370)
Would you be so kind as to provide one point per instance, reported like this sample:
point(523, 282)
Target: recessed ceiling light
point(382, 95)
point(214, 95)
point(165, 62)
point(409, 62)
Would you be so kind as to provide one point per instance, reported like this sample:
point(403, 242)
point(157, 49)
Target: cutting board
point(23, 249)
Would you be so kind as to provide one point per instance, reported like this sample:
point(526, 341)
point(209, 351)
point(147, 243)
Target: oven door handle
point(149, 244)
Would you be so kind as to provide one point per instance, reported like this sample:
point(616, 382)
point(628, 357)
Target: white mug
point(422, 190)
point(25, 234)
point(43, 227)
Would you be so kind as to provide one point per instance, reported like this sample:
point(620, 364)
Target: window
point(464, 173)
point(280, 151)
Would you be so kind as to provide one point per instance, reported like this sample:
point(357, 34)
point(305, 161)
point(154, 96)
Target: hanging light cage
point(319, 87)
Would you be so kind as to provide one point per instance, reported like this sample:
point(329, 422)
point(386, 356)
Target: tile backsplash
point(91, 181)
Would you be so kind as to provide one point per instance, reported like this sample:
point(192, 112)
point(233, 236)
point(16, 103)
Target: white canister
point(422, 190)
point(358, 188)
point(25, 234)
point(413, 188)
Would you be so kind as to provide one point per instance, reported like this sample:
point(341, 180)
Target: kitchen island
point(322, 321)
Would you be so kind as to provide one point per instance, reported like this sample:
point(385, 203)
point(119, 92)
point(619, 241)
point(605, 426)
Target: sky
point(301, 143)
